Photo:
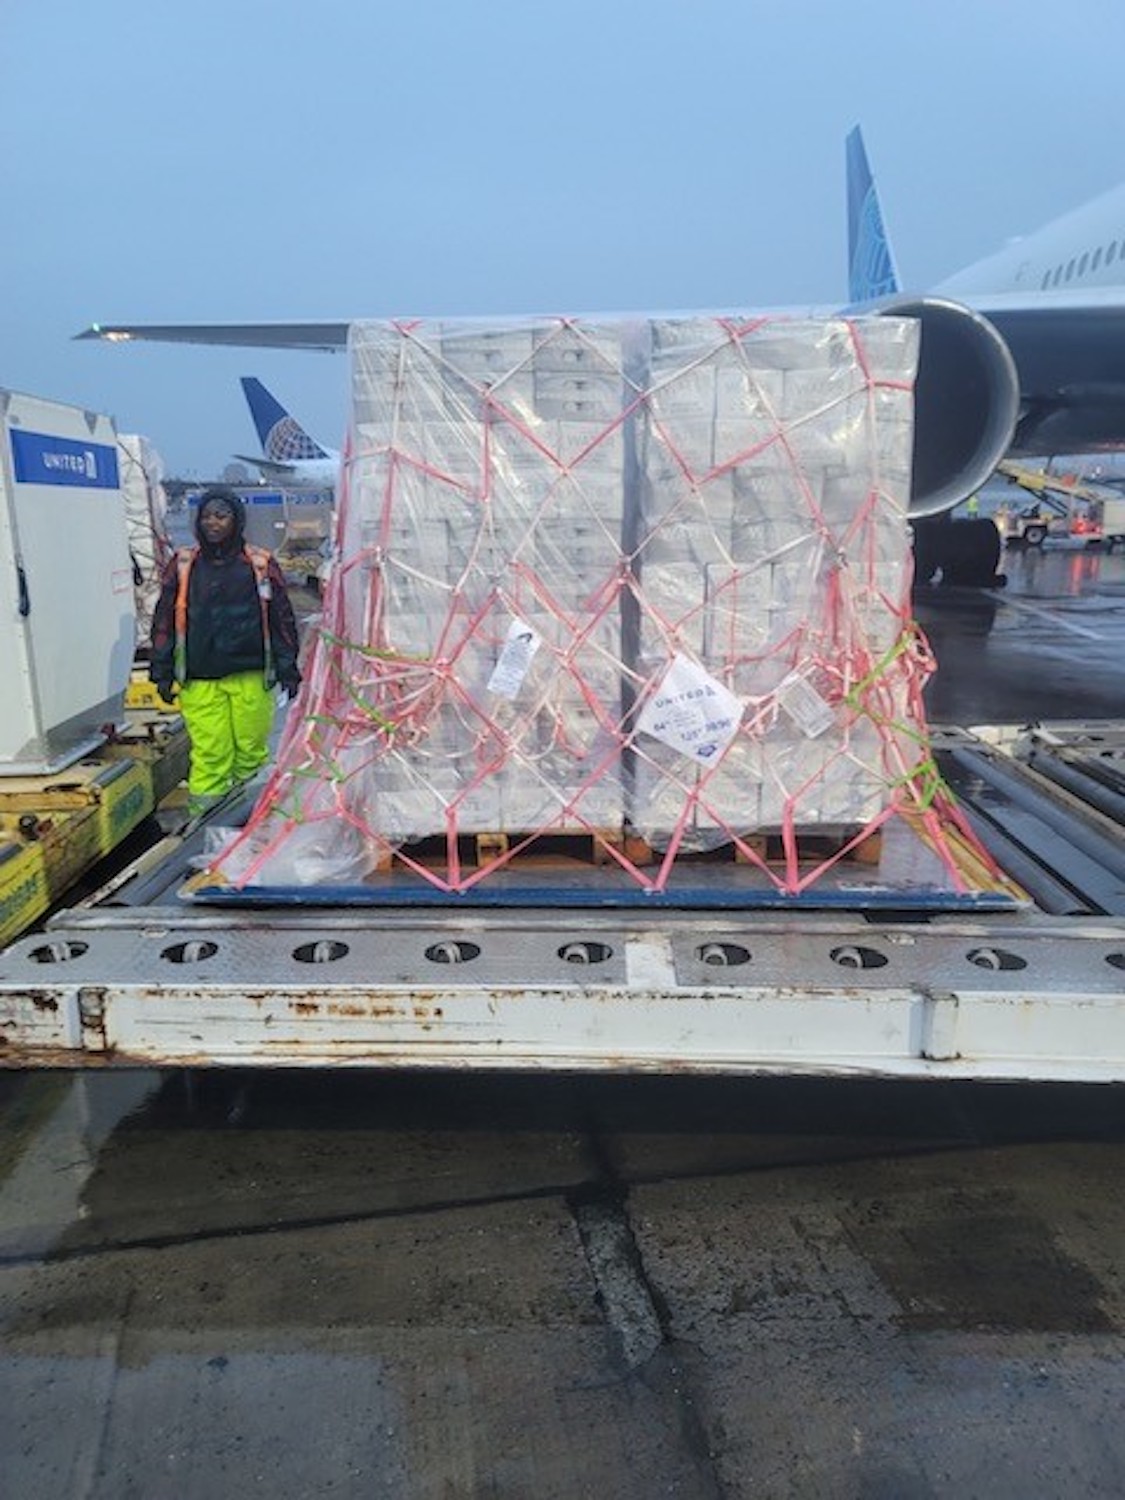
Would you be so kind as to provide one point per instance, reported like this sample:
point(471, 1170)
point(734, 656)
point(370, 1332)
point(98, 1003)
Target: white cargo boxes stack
point(626, 577)
point(773, 554)
point(141, 472)
point(482, 551)
point(66, 584)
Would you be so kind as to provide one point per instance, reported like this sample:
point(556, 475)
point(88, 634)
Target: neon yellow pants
point(228, 723)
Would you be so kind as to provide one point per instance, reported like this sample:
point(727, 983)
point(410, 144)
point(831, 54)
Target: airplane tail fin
point(872, 271)
point(282, 437)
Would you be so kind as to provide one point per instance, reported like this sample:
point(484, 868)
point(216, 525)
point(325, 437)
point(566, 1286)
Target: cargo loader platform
point(139, 977)
point(54, 830)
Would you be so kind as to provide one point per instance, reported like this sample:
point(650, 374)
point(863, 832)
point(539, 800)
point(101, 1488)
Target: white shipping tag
point(516, 656)
point(691, 712)
point(803, 706)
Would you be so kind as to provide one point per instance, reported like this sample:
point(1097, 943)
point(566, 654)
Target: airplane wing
point(1069, 349)
point(324, 336)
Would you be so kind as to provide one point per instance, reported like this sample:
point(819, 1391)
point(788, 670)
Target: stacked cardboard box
point(486, 502)
point(634, 574)
point(773, 550)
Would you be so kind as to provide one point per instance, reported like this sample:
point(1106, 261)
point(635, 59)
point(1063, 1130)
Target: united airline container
point(66, 584)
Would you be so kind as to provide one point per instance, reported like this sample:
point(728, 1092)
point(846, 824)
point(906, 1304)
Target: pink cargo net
point(643, 582)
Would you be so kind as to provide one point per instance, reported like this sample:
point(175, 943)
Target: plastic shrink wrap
point(142, 485)
point(629, 578)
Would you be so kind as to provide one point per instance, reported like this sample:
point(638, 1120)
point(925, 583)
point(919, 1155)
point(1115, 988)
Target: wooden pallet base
point(814, 847)
point(476, 850)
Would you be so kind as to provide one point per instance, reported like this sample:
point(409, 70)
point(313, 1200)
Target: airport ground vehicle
point(1065, 508)
point(567, 970)
point(1035, 524)
point(570, 971)
point(132, 976)
point(1113, 522)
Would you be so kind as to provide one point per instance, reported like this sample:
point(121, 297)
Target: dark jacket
point(224, 618)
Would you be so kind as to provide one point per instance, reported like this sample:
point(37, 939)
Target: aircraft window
point(1083, 263)
point(1057, 276)
point(1045, 283)
point(1111, 253)
point(1097, 259)
point(1069, 270)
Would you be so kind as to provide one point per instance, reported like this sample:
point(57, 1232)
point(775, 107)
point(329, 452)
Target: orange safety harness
point(259, 560)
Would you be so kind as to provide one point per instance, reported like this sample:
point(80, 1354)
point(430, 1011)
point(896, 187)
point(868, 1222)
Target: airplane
point(1023, 352)
point(1056, 297)
point(289, 455)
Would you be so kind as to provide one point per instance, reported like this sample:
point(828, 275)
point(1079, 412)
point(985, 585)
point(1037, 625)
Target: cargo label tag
point(803, 706)
point(692, 712)
point(516, 656)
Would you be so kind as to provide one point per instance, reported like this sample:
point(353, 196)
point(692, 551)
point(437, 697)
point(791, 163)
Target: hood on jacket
point(221, 494)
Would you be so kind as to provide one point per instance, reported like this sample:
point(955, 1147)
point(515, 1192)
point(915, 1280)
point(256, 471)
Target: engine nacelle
point(966, 401)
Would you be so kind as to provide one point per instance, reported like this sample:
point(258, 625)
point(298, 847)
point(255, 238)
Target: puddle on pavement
point(55, 1126)
point(976, 1269)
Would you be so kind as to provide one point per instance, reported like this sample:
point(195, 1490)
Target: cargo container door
point(77, 611)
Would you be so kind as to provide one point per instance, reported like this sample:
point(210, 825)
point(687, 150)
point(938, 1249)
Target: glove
point(290, 685)
point(166, 690)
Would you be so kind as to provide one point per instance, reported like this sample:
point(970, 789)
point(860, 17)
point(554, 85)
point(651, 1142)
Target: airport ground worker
point(224, 630)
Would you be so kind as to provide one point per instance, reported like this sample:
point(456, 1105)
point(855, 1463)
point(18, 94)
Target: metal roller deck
point(136, 977)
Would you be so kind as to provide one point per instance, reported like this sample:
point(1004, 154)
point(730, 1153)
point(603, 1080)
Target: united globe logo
point(287, 442)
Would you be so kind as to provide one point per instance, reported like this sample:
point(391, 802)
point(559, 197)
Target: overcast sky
point(247, 160)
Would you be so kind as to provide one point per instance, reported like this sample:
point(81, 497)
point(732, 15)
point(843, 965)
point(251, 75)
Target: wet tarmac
point(1051, 645)
point(295, 1285)
point(359, 1284)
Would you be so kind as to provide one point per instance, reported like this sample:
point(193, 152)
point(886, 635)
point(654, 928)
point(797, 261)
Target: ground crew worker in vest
point(224, 630)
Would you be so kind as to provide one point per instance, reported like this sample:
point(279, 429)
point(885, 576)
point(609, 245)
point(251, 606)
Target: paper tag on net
point(803, 706)
point(691, 712)
point(516, 656)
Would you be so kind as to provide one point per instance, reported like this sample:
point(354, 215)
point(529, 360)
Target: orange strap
point(259, 560)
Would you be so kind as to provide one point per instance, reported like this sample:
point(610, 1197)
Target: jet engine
point(967, 401)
